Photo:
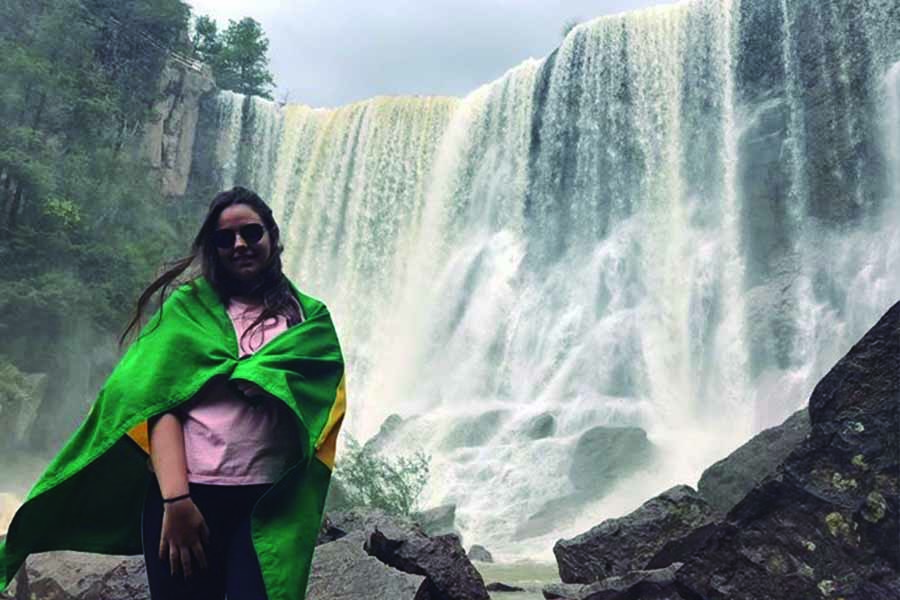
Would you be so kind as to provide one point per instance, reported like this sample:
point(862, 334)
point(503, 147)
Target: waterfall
point(677, 222)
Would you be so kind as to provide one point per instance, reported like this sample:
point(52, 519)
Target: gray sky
point(329, 53)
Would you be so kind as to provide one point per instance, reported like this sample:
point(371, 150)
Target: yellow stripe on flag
point(326, 445)
point(141, 436)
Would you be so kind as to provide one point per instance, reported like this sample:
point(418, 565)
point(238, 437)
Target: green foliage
point(206, 42)
point(237, 55)
point(83, 224)
point(368, 479)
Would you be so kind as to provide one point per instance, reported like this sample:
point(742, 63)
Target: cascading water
point(672, 226)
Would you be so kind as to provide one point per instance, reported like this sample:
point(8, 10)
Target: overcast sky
point(333, 52)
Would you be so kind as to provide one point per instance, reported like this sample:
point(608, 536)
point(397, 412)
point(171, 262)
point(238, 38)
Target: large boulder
point(618, 546)
point(367, 521)
point(66, 575)
point(343, 570)
point(558, 512)
point(539, 426)
point(474, 431)
point(450, 573)
point(655, 584)
point(603, 455)
point(601, 458)
point(386, 435)
point(825, 524)
point(480, 553)
point(438, 520)
point(402, 544)
point(726, 482)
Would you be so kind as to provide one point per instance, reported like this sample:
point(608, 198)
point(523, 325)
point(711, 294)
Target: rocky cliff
point(168, 141)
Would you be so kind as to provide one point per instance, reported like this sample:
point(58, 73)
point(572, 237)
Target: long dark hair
point(272, 286)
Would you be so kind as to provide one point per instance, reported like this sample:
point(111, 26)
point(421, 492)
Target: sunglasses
point(250, 233)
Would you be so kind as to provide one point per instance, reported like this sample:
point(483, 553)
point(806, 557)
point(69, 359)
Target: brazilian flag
point(90, 497)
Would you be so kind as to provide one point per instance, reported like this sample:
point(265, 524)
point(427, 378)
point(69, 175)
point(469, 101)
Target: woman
point(235, 390)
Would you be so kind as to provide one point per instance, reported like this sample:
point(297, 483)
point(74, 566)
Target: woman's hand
point(184, 532)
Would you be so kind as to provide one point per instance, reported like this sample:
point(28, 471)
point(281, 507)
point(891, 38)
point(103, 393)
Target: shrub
point(364, 478)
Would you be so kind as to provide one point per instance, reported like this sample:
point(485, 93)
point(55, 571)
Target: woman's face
point(244, 260)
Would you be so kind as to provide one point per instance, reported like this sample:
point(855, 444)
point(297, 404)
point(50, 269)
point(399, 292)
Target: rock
point(367, 521)
point(683, 548)
point(66, 575)
point(825, 524)
point(502, 587)
point(342, 570)
point(655, 584)
point(328, 532)
point(404, 545)
point(441, 559)
point(563, 591)
point(474, 431)
point(438, 520)
point(480, 553)
point(168, 142)
point(386, 434)
point(539, 427)
point(555, 513)
point(20, 586)
point(603, 455)
point(126, 581)
point(618, 546)
point(727, 481)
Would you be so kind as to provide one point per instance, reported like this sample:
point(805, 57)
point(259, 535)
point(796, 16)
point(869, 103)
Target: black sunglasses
point(250, 233)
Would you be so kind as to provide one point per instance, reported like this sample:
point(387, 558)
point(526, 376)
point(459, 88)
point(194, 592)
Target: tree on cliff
point(82, 227)
point(236, 55)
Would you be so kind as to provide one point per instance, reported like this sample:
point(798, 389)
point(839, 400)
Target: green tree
point(237, 55)
point(369, 479)
point(83, 225)
point(206, 42)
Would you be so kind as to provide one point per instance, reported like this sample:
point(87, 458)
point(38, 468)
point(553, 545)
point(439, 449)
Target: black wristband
point(167, 500)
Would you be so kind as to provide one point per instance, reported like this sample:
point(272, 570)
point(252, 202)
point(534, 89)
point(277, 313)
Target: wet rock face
point(438, 520)
point(619, 546)
point(168, 142)
point(480, 553)
point(605, 454)
point(825, 525)
point(727, 481)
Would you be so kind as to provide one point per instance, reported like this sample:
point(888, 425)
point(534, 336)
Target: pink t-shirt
point(228, 440)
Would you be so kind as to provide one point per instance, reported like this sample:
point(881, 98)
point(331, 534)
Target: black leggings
point(232, 566)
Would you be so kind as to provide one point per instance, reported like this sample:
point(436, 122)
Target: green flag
point(90, 497)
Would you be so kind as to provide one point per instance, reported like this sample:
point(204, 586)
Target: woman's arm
point(184, 531)
point(167, 455)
